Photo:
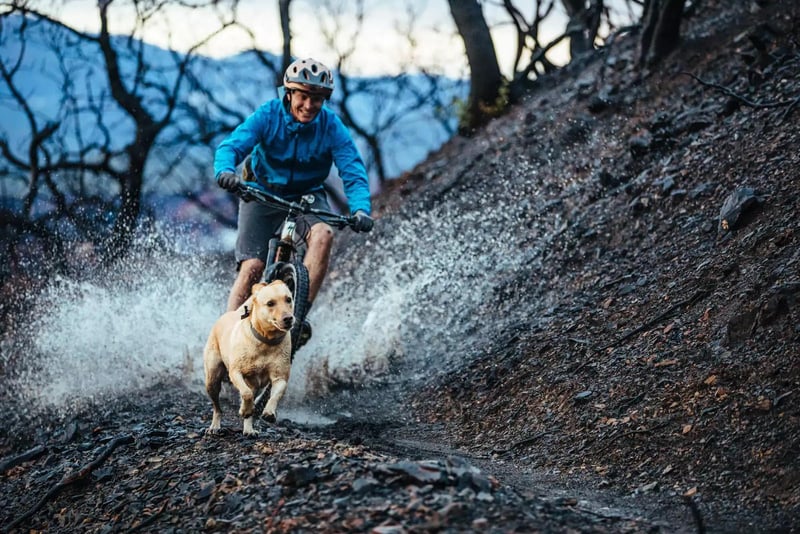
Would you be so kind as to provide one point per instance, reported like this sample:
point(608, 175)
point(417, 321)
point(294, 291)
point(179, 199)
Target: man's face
point(304, 106)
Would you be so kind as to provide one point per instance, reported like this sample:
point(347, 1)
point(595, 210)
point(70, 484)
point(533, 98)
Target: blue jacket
point(292, 158)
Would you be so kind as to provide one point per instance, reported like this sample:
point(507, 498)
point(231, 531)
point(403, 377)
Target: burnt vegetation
point(650, 380)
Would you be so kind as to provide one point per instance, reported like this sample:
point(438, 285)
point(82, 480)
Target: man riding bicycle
point(288, 146)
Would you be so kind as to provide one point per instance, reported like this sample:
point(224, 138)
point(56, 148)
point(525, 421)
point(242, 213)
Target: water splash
point(424, 294)
point(420, 294)
point(109, 336)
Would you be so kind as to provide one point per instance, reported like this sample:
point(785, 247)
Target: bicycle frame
point(282, 249)
point(284, 260)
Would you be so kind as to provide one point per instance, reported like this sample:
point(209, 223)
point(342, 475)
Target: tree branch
point(74, 477)
point(744, 100)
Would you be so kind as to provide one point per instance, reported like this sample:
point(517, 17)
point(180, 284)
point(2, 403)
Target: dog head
point(273, 307)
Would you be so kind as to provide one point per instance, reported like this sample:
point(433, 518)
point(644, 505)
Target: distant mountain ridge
point(56, 62)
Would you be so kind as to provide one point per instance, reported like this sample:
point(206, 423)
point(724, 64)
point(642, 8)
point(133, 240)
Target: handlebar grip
point(243, 192)
point(248, 191)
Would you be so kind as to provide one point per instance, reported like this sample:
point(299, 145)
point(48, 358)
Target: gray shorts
point(258, 223)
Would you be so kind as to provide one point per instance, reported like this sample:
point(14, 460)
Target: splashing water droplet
point(110, 336)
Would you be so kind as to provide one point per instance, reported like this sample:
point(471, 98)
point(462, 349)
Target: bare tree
point(485, 78)
point(81, 153)
point(584, 21)
point(661, 21)
point(661, 31)
point(490, 93)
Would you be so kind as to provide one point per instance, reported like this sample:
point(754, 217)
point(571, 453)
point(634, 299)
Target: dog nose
point(288, 321)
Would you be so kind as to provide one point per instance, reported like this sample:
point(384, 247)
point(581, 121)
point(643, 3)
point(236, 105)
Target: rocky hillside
point(661, 354)
point(601, 332)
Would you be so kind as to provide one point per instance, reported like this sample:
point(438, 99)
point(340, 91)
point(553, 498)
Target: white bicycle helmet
point(309, 75)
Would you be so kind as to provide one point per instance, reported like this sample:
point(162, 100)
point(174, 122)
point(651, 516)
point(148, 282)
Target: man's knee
point(321, 235)
point(251, 269)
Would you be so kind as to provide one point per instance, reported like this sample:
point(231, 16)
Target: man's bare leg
point(250, 272)
point(320, 241)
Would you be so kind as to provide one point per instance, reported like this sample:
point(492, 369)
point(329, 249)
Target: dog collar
point(262, 339)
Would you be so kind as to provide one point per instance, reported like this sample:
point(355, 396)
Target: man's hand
point(228, 181)
point(363, 223)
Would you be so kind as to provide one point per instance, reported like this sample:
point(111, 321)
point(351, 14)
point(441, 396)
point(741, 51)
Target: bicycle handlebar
point(253, 191)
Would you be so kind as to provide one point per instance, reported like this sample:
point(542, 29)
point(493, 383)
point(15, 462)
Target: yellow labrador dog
point(254, 349)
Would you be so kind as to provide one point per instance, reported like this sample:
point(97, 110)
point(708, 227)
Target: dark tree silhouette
point(485, 78)
point(584, 21)
point(490, 93)
point(77, 154)
point(661, 24)
point(283, 8)
point(661, 21)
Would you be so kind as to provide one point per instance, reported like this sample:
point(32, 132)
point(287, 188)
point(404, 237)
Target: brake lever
point(245, 195)
point(341, 222)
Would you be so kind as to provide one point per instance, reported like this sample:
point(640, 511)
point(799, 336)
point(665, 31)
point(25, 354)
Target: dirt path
point(147, 466)
point(653, 360)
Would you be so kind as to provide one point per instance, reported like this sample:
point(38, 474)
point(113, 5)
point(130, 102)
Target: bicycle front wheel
point(295, 275)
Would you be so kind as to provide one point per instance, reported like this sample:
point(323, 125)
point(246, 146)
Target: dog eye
point(270, 303)
point(288, 300)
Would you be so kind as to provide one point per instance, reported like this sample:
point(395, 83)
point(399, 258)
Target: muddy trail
point(147, 466)
point(583, 318)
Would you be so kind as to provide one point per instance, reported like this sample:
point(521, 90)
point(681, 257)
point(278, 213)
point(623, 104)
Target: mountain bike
point(286, 248)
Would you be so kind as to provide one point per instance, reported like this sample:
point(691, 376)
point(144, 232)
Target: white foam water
point(138, 324)
point(420, 294)
point(422, 297)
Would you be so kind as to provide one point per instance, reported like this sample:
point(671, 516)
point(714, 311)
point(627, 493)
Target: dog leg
point(213, 386)
point(246, 407)
point(213, 390)
point(278, 388)
point(248, 429)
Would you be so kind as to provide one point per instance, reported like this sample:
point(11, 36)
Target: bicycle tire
point(295, 275)
point(301, 307)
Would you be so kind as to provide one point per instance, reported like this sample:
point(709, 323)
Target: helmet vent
point(309, 72)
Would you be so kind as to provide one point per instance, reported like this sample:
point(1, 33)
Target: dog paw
point(250, 433)
point(269, 417)
point(212, 430)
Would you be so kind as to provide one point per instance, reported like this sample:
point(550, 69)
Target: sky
point(379, 48)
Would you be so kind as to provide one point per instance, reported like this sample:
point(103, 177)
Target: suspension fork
point(285, 246)
point(281, 250)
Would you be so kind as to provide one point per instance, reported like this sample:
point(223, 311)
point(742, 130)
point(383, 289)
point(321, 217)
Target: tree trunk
point(584, 21)
point(485, 77)
point(125, 224)
point(130, 195)
point(283, 6)
point(661, 21)
point(576, 9)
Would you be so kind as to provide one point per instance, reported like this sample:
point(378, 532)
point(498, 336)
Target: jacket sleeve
point(351, 169)
point(240, 142)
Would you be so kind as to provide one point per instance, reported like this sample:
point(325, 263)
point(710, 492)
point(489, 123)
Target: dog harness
point(263, 339)
point(258, 336)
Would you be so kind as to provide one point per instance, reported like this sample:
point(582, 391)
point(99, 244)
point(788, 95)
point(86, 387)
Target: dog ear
point(257, 287)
